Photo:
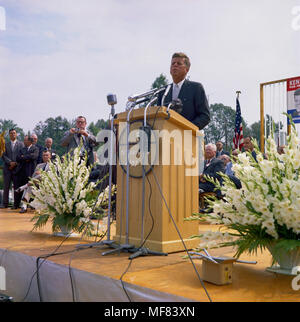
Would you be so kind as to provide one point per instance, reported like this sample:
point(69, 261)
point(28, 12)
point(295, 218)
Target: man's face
point(209, 153)
point(46, 156)
point(48, 143)
point(81, 123)
point(178, 69)
point(12, 135)
point(248, 145)
point(225, 158)
point(35, 138)
point(27, 141)
point(219, 146)
point(235, 153)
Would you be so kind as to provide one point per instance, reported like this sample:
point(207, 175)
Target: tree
point(160, 81)
point(221, 126)
point(6, 125)
point(99, 125)
point(55, 129)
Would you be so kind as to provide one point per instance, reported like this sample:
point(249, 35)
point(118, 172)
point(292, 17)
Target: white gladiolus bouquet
point(66, 197)
point(266, 210)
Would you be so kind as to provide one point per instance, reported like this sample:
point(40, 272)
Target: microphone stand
point(108, 241)
point(126, 246)
point(142, 251)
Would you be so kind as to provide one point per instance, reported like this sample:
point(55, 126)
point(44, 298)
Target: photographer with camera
point(73, 137)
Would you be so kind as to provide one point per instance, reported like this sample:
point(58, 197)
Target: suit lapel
point(183, 90)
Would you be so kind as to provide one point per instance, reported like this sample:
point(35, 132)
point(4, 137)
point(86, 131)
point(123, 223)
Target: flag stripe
point(238, 139)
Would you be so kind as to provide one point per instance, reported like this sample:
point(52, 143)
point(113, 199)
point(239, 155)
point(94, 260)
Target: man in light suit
point(192, 95)
point(72, 139)
point(12, 149)
point(27, 188)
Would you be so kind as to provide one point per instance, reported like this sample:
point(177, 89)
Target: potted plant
point(265, 212)
point(66, 197)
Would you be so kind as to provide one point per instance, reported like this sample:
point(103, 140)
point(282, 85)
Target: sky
point(62, 57)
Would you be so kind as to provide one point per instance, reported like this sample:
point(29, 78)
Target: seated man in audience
point(27, 188)
point(249, 146)
point(212, 166)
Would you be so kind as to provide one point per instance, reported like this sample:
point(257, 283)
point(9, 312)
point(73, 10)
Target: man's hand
point(82, 132)
point(12, 165)
point(201, 178)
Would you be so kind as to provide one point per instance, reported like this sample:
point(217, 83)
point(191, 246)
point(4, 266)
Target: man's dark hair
point(10, 130)
point(81, 117)
point(186, 58)
point(297, 92)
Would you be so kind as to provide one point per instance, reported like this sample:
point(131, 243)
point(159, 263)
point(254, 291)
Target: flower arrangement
point(66, 196)
point(266, 210)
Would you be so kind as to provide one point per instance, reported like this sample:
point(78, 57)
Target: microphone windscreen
point(111, 99)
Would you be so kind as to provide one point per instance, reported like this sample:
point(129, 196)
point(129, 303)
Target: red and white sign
point(293, 95)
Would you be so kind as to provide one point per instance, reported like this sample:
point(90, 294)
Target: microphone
point(165, 94)
point(153, 92)
point(112, 100)
point(176, 105)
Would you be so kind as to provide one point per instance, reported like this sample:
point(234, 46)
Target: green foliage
point(55, 129)
point(6, 125)
point(221, 126)
point(99, 125)
point(160, 81)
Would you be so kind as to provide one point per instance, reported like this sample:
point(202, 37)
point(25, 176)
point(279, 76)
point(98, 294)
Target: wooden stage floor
point(170, 274)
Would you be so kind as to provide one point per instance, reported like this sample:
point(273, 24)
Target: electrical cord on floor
point(143, 243)
point(36, 272)
point(183, 243)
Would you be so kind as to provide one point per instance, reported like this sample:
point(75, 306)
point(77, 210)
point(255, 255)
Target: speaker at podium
point(171, 168)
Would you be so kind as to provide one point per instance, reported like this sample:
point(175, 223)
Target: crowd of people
point(25, 160)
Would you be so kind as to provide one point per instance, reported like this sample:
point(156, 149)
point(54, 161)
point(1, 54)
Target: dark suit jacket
point(215, 166)
point(11, 155)
point(27, 161)
point(218, 154)
point(194, 101)
point(72, 141)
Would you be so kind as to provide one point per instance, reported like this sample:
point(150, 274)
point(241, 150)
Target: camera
point(77, 131)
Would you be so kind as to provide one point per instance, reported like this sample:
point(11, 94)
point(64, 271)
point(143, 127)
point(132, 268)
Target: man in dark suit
point(212, 166)
point(35, 142)
point(220, 150)
point(48, 147)
point(12, 149)
point(27, 159)
point(72, 139)
point(192, 95)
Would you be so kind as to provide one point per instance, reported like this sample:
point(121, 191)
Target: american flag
point(238, 139)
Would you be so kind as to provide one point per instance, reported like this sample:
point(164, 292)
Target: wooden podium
point(178, 183)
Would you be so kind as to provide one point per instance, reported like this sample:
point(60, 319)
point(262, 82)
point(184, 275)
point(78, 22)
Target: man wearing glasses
point(74, 136)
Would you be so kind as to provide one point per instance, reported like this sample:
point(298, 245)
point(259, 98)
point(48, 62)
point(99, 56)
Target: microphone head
point(111, 99)
point(177, 105)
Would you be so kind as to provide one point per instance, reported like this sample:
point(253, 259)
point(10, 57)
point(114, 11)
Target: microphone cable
point(143, 242)
point(178, 232)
